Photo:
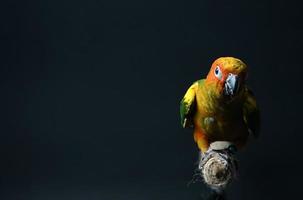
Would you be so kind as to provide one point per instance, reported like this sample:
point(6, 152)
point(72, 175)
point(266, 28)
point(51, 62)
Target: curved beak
point(231, 86)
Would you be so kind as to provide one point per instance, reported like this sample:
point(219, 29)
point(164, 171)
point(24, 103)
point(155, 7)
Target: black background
point(90, 95)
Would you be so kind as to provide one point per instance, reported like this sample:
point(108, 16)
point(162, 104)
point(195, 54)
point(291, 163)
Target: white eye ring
point(218, 72)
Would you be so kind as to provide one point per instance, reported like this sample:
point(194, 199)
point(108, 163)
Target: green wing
point(251, 113)
point(188, 105)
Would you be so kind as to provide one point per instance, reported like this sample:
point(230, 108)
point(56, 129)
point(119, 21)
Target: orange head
point(228, 75)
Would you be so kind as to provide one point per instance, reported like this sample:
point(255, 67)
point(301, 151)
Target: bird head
point(228, 75)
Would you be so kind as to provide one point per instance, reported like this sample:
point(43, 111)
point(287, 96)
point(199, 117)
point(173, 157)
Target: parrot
point(221, 107)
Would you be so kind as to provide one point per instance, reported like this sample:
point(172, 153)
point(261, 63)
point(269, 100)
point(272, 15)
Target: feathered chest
point(217, 114)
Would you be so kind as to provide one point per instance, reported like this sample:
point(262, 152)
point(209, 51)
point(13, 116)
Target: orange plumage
point(221, 107)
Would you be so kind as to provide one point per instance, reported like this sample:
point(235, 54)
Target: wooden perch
point(218, 165)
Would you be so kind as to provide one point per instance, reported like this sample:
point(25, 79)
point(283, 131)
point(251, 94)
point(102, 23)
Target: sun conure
point(221, 107)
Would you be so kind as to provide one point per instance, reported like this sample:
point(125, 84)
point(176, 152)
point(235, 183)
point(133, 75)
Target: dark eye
point(218, 73)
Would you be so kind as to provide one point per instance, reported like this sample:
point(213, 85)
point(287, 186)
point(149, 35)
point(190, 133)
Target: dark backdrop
point(90, 94)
